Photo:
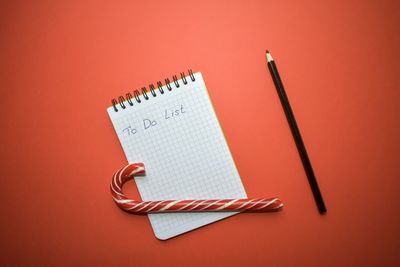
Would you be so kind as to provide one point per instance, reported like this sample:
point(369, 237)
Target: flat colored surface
point(62, 62)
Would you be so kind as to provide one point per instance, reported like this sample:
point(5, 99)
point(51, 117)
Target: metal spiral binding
point(144, 94)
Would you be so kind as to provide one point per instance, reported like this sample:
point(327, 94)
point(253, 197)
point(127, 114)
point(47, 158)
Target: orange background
point(62, 62)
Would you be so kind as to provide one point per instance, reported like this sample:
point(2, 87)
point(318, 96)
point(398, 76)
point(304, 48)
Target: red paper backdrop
point(62, 62)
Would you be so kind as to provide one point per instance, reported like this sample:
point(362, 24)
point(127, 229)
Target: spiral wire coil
point(145, 94)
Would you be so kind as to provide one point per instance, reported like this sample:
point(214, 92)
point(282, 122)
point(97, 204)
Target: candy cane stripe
point(190, 203)
point(159, 203)
point(227, 204)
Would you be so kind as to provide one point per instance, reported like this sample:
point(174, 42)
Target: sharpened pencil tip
point(268, 55)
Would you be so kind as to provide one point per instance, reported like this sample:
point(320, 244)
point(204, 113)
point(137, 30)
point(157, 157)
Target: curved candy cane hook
point(144, 207)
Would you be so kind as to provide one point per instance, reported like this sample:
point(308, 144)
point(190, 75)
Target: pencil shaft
point(297, 137)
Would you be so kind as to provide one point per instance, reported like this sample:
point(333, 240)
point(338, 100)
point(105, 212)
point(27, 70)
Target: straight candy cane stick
point(143, 207)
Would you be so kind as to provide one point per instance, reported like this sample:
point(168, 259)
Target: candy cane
point(144, 207)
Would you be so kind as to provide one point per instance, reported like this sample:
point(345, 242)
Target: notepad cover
point(179, 139)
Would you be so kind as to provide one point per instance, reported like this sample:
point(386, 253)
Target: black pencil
point(296, 133)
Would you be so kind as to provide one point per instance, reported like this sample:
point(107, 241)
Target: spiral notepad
point(172, 128)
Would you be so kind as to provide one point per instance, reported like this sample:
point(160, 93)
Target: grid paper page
point(178, 138)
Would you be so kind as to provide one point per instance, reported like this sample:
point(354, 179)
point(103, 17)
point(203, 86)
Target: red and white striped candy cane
point(144, 207)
